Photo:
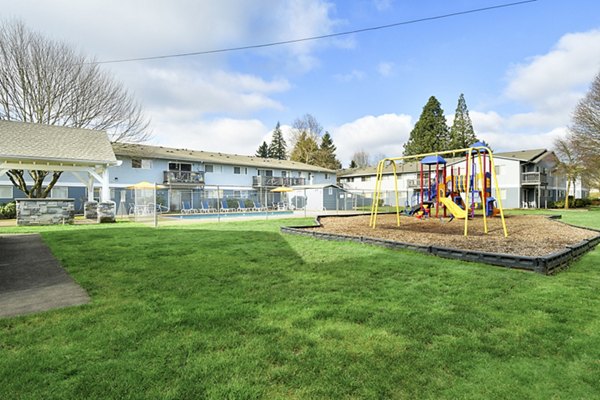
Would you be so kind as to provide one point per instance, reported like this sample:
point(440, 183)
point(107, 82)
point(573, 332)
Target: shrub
point(8, 210)
point(582, 202)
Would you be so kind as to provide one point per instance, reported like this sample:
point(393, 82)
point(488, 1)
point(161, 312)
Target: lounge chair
point(225, 207)
point(206, 207)
point(242, 206)
point(259, 207)
point(186, 208)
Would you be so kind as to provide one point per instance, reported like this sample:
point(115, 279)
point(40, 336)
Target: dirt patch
point(528, 235)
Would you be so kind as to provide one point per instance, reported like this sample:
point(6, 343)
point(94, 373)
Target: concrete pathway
point(32, 280)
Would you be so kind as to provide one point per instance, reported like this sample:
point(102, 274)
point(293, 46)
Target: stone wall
point(45, 211)
point(90, 210)
point(107, 211)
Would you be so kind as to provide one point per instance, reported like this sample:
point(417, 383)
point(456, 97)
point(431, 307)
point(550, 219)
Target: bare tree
point(585, 129)
point(47, 82)
point(305, 136)
point(307, 125)
point(569, 165)
point(361, 159)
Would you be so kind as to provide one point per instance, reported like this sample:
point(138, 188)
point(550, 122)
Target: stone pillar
point(45, 211)
point(107, 211)
point(90, 209)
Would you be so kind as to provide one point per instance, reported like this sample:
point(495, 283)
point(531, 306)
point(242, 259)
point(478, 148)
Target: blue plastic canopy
point(432, 160)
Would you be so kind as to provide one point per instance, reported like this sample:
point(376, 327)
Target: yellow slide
point(453, 207)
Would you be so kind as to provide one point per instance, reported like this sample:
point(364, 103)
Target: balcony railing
point(534, 178)
point(274, 181)
point(413, 183)
point(183, 177)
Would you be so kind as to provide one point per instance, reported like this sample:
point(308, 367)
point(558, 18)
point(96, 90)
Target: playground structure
point(459, 195)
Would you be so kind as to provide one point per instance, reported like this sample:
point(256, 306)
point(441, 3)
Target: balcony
point(534, 178)
point(413, 183)
point(274, 181)
point(183, 178)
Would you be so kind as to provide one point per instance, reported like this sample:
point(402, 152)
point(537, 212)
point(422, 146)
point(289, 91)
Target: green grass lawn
point(238, 311)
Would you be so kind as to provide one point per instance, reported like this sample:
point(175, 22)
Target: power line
point(331, 35)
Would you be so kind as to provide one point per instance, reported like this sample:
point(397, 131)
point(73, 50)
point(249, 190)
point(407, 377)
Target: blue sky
point(522, 69)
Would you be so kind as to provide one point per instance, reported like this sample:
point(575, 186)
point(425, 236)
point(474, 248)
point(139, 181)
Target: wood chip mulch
point(528, 235)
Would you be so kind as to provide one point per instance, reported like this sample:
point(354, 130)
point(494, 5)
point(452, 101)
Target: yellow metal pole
point(396, 191)
point(482, 195)
point(467, 186)
point(498, 195)
point(376, 195)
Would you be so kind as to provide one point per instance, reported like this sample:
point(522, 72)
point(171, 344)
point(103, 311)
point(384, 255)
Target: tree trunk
point(37, 190)
point(567, 194)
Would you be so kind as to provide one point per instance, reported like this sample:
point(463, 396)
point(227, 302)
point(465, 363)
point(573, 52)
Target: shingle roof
point(29, 141)
point(174, 154)
point(522, 155)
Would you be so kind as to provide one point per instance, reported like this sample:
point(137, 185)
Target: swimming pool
point(229, 215)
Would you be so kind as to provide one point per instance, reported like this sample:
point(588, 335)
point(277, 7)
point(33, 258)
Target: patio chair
point(206, 207)
point(158, 207)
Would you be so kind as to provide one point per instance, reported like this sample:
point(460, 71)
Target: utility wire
point(331, 35)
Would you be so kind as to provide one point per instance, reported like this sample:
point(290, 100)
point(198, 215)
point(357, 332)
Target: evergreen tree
point(462, 134)
point(353, 164)
point(263, 150)
point(430, 132)
point(326, 156)
point(277, 148)
point(306, 149)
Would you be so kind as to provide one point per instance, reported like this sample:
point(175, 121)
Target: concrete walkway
point(32, 280)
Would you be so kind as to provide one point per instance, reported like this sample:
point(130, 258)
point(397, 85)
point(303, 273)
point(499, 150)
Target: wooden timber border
point(546, 265)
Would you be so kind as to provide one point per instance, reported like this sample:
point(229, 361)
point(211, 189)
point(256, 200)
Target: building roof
point(532, 156)
point(40, 142)
point(365, 171)
point(174, 154)
point(523, 155)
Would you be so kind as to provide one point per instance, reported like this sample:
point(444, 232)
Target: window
point(326, 176)
point(240, 170)
point(175, 166)
point(59, 192)
point(351, 179)
point(284, 174)
point(330, 191)
point(140, 163)
point(6, 192)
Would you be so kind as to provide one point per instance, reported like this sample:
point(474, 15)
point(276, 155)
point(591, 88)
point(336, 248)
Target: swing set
point(456, 193)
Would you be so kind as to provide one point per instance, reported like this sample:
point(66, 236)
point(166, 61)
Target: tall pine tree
point(277, 148)
point(430, 132)
point(326, 156)
point(263, 150)
point(462, 134)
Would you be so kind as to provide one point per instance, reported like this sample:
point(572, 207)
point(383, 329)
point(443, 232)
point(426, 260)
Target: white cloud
point(382, 5)
point(382, 134)
point(213, 91)
point(354, 75)
point(385, 69)
point(547, 87)
point(226, 135)
point(551, 84)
